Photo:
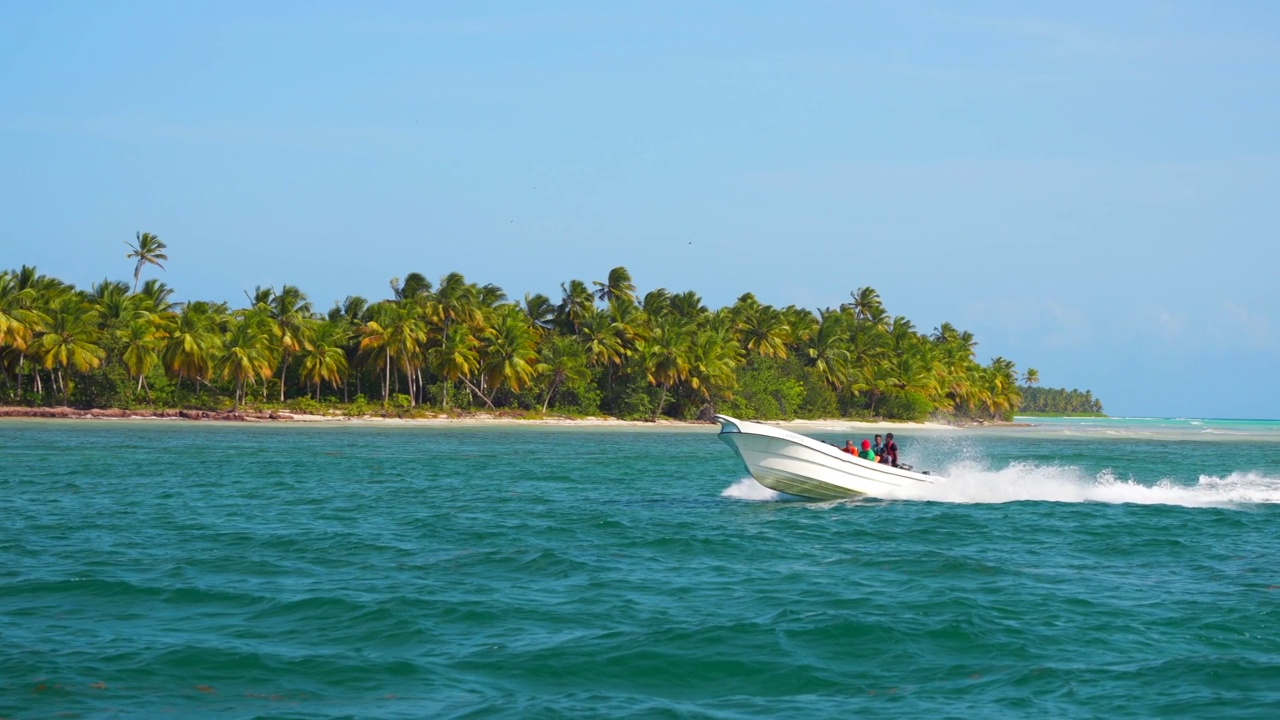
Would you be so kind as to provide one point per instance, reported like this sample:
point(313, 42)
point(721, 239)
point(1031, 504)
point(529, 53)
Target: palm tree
point(155, 296)
point(618, 287)
point(866, 303)
point(714, 357)
point(247, 353)
point(112, 301)
point(455, 301)
point(291, 313)
point(375, 342)
point(490, 295)
point(687, 305)
point(189, 350)
point(325, 359)
point(666, 355)
point(416, 285)
point(803, 325)
point(656, 302)
point(18, 316)
point(565, 360)
point(1031, 377)
point(827, 350)
point(600, 338)
point(999, 387)
point(540, 310)
point(70, 340)
point(141, 340)
point(508, 352)
point(397, 331)
point(875, 380)
point(576, 305)
point(23, 298)
point(349, 315)
point(764, 331)
point(149, 250)
point(455, 359)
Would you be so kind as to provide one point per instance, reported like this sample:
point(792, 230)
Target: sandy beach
point(477, 419)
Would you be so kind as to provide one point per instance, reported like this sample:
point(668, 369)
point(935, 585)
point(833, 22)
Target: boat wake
point(970, 483)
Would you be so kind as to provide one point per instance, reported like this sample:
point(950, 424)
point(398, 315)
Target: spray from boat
point(969, 483)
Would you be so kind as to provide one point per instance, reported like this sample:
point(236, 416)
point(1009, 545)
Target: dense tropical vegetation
point(600, 348)
point(1059, 402)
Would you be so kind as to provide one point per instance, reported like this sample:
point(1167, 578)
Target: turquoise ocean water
point(1077, 568)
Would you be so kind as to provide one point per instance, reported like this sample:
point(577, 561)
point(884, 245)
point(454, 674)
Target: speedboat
point(797, 465)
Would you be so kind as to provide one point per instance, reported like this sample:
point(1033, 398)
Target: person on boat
point(878, 446)
point(891, 450)
point(867, 453)
point(849, 447)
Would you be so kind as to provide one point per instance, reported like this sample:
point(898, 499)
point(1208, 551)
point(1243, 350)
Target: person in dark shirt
point(878, 445)
point(891, 450)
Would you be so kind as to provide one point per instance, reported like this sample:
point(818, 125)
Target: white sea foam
point(971, 483)
point(748, 489)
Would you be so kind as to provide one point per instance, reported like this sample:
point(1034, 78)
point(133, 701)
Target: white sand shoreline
point(835, 425)
point(471, 420)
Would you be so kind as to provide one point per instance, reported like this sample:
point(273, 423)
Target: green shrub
point(307, 406)
point(359, 406)
point(768, 389)
point(908, 405)
point(820, 401)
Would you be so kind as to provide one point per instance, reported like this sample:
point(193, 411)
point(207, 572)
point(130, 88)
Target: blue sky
point(1090, 188)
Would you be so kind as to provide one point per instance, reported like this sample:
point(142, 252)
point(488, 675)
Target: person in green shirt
point(867, 453)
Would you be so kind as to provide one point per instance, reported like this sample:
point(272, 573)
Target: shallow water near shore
point(1064, 570)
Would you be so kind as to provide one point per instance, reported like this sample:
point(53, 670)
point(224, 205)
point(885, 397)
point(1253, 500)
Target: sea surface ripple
point(230, 571)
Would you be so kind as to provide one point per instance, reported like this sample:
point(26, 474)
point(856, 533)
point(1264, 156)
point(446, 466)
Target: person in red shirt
point(849, 447)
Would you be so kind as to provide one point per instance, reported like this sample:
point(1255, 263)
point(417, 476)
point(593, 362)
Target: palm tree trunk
point(413, 388)
point(547, 403)
point(284, 370)
point(477, 391)
point(386, 383)
point(662, 400)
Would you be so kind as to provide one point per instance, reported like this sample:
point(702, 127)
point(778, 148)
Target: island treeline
point(1059, 401)
point(598, 349)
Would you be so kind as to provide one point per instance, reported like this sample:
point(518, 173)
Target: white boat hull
point(797, 465)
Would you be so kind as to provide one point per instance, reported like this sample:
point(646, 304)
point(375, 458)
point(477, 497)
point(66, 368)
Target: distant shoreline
point(480, 418)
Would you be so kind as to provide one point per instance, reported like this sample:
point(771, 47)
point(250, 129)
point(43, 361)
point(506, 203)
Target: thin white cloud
point(1054, 324)
point(1067, 326)
point(1238, 326)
